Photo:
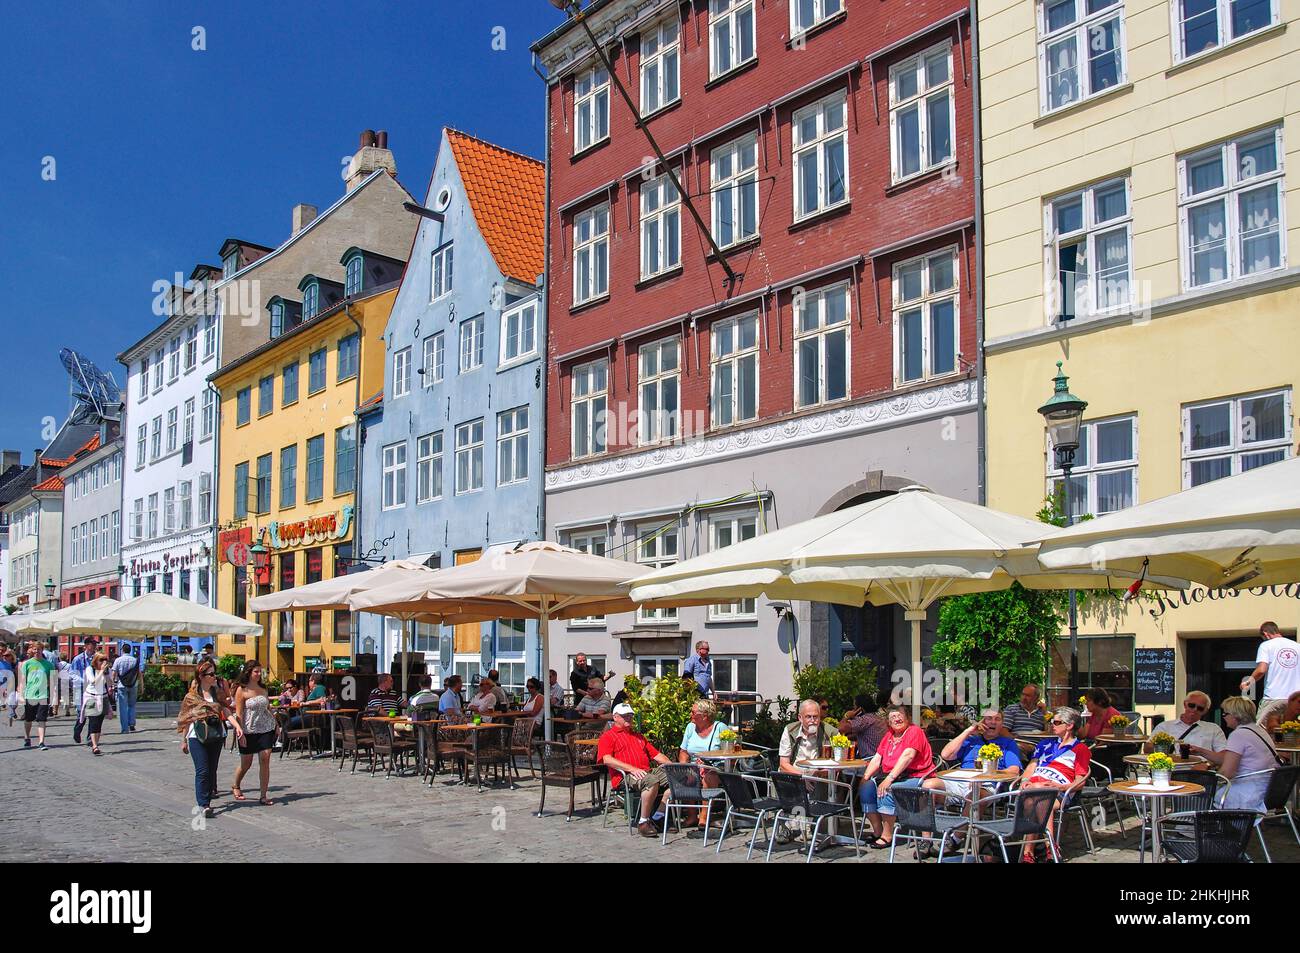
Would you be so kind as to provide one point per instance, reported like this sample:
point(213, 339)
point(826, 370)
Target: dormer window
point(230, 264)
point(310, 300)
point(277, 319)
point(352, 280)
point(285, 315)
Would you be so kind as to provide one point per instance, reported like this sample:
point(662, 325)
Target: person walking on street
point(126, 674)
point(700, 667)
point(202, 726)
point(78, 670)
point(256, 728)
point(9, 682)
point(34, 677)
point(95, 702)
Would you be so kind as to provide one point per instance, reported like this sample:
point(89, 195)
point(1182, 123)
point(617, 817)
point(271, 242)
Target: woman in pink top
point(903, 758)
point(1100, 712)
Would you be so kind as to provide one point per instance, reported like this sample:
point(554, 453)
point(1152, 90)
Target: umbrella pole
point(916, 617)
point(406, 641)
point(543, 627)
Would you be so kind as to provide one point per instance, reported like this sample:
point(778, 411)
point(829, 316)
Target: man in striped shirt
point(1023, 715)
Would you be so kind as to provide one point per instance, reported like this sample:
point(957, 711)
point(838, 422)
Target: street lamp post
point(1063, 413)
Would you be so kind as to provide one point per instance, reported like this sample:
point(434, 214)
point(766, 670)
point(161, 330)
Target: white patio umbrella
point(906, 549)
point(56, 620)
point(22, 623)
point(538, 580)
point(1238, 531)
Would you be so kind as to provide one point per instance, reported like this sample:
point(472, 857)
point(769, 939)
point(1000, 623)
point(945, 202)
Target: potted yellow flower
point(840, 746)
point(987, 758)
point(1162, 768)
point(1290, 733)
point(928, 715)
point(1119, 726)
point(1163, 742)
point(728, 737)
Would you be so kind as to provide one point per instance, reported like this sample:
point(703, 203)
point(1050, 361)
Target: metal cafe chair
point(686, 792)
point(743, 803)
point(918, 820)
point(1032, 809)
point(1282, 782)
point(1208, 837)
point(792, 793)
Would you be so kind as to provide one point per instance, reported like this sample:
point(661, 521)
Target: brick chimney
point(10, 458)
point(372, 153)
point(303, 215)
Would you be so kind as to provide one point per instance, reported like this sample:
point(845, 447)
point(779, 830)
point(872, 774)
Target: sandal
point(879, 844)
point(1028, 857)
point(237, 794)
point(95, 751)
point(265, 800)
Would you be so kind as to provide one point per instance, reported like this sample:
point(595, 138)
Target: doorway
point(1216, 666)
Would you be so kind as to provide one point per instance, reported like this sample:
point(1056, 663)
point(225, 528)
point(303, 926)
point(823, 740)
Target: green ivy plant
point(228, 666)
point(765, 730)
point(838, 684)
point(663, 708)
point(163, 688)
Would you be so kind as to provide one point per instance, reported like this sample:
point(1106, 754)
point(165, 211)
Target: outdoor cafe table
point(1140, 789)
point(331, 714)
point(831, 767)
point(975, 779)
point(1122, 739)
point(477, 729)
point(1192, 762)
point(728, 758)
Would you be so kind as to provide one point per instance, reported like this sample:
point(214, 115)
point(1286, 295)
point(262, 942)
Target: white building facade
point(169, 436)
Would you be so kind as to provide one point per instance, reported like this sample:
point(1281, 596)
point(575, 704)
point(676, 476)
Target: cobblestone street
point(135, 804)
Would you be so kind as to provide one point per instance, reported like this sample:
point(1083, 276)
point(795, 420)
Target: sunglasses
point(1193, 706)
point(1057, 721)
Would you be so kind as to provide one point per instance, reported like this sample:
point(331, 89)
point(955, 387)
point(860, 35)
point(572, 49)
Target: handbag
point(209, 729)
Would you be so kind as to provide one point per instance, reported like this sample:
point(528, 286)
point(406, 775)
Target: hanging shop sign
point(235, 542)
point(309, 532)
point(1198, 594)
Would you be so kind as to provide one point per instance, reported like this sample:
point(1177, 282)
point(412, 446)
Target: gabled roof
point(90, 446)
point(53, 483)
point(71, 440)
point(507, 193)
point(372, 402)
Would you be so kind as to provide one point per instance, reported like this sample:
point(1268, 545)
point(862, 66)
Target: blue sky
point(161, 152)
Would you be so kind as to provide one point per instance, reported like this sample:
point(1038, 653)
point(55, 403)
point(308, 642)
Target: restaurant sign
point(234, 539)
point(308, 532)
point(167, 563)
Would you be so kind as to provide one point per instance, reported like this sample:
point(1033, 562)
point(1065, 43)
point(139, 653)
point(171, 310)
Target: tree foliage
point(663, 708)
point(837, 684)
point(228, 666)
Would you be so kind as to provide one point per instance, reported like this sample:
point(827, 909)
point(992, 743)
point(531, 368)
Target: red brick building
point(828, 144)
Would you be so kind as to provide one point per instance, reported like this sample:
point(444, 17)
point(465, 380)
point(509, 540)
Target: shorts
point(36, 711)
point(261, 741)
point(657, 776)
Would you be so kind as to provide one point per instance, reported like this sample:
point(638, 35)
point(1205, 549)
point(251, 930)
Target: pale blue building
point(452, 448)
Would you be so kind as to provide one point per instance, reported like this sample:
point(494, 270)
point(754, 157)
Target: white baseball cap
point(624, 710)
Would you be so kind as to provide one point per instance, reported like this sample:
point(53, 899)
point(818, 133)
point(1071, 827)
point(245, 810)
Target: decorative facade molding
point(849, 420)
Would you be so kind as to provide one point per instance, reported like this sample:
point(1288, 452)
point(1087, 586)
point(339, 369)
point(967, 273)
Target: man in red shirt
point(624, 751)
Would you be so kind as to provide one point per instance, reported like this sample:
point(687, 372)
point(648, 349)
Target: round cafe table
point(1157, 797)
point(1192, 762)
point(1122, 739)
point(976, 778)
point(832, 767)
point(729, 758)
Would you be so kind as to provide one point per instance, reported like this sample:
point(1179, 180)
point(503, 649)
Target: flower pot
point(987, 767)
point(728, 747)
point(1291, 740)
point(839, 754)
point(1119, 731)
point(1161, 779)
point(1164, 748)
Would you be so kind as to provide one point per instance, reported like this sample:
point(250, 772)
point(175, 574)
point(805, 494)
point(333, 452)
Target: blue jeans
point(126, 705)
point(875, 803)
point(205, 758)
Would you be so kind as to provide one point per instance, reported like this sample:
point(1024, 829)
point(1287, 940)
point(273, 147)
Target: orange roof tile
point(89, 446)
point(507, 193)
point(53, 483)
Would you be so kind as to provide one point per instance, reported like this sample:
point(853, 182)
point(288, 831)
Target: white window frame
point(518, 333)
point(173, 422)
point(155, 438)
point(393, 462)
point(660, 60)
point(209, 336)
point(653, 552)
point(735, 523)
point(159, 356)
point(1088, 469)
point(661, 226)
point(435, 358)
point(191, 347)
point(1233, 188)
point(208, 421)
point(469, 450)
point(589, 244)
point(205, 499)
point(733, 357)
point(597, 543)
point(401, 372)
point(1082, 31)
point(659, 426)
point(739, 185)
point(1223, 19)
point(471, 347)
point(1237, 448)
point(1089, 234)
point(926, 302)
point(583, 392)
point(590, 92)
point(823, 10)
point(821, 139)
point(730, 12)
point(141, 444)
point(442, 272)
point(671, 664)
point(185, 499)
point(187, 431)
point(428, 468)
point(173, 359)
point(512, 446)
point(920, 100)
point(822, 331)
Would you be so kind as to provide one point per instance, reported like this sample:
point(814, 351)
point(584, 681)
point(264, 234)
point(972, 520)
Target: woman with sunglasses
point(257, 726)
point(1062, 762)
point(202, 724)
point(96, 699)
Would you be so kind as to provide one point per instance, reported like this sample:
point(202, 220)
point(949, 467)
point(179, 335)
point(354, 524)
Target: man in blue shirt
point(449, 700)
point(965, 748)
point(700, 667)
point(78, 667)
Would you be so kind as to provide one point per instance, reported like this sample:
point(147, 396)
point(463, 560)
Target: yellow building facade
point(1139, 200)
point(287, 465)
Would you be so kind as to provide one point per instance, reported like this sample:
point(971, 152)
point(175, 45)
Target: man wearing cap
point(625, 752)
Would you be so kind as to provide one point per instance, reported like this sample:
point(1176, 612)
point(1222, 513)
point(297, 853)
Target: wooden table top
point(726, 755)
point(1144, 789)
point(1126, 739)
point(964, 774)
point(585, 742)
point(470, 726)
point(1140, 759)
point(825, 764)
point(581, 721)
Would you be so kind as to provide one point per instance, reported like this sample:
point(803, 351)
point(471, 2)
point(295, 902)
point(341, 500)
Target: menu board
point(1154, 676)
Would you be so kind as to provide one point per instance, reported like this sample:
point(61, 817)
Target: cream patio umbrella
point(335, 593)
point(57, 620)
point(22, 623)
point(906, 549)
point(1228, 533)
point(538, 580)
